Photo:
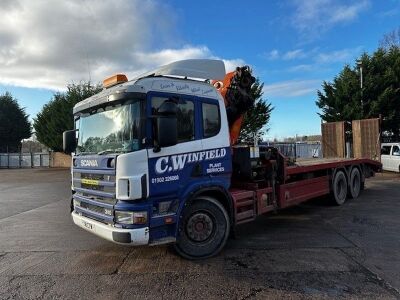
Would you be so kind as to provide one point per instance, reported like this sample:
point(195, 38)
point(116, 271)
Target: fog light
point(130, 217)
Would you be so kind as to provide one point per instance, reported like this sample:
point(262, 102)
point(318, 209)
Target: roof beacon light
point(114, 80)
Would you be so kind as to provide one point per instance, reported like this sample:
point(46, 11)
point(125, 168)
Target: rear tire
point(355, 183)
point(339, 188)
point(203, 229)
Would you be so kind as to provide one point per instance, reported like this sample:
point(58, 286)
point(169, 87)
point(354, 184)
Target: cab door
point(395, 158)
point(173, 169)
point(215, 141)
point(385, 157)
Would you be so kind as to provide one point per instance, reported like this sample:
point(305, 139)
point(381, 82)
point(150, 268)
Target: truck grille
point(95, 208)
point(95, 193)
point(111, 201)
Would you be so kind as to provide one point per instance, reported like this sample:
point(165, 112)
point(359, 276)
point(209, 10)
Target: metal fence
point(298, 150)
point(24, 160)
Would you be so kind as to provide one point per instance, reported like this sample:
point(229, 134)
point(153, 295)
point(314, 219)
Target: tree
point(56, 116)
point(257, 117)
point(32, 146)
point(391, 39)
point(14, 124)
point(343, 99)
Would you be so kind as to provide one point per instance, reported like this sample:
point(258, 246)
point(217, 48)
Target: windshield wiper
point(111, 151)
point(84, 153)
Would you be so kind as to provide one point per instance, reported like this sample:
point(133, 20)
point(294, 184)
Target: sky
point(292, 45)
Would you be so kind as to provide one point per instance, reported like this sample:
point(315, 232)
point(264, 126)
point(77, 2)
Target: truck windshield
point(113, 129)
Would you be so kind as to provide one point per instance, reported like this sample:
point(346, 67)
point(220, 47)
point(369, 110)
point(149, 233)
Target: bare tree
point(391, 39)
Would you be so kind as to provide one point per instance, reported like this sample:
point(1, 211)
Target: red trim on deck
point(296, 192)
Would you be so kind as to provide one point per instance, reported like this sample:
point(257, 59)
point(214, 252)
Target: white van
point(390, 156)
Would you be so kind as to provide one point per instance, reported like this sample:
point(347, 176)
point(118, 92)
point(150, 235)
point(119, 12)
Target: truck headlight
point(131, 217)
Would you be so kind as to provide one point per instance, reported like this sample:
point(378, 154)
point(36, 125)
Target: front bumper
point(134, 237)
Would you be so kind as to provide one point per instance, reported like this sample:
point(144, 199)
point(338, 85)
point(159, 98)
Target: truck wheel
point(203, 229)
point(355, 183)
point(339, 188)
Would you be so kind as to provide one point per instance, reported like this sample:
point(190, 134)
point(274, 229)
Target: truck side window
point(185, 116)
point(396, 151)
point(385, 150)
point(211, 119)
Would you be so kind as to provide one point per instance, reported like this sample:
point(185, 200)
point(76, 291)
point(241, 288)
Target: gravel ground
point(309, 251)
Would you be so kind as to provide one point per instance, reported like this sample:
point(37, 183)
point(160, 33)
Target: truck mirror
point(69, 141)
point(167, 133)
point(167, 124)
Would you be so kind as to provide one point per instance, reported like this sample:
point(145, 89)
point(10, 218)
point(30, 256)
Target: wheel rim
point(200, 227)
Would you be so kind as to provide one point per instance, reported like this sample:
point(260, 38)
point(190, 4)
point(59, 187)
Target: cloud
point(342, 56)
point(316, 59)
point(302, 68)
point(289, 55)
point(294, 54)
point(48, 46)
point(271, 55)
point(312, 17)
point(231, 64)
point(390, 13)
point(292, 88)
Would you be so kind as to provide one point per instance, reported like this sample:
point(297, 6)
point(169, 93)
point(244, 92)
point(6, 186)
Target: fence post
point(32, 160)
point(8, 159)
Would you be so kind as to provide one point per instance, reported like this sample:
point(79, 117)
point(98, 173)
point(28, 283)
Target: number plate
point(90, 181)
point(88, 225)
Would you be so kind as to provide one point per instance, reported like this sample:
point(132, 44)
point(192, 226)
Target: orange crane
point(235, 88)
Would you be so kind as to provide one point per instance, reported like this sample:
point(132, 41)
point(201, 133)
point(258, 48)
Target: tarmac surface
point(313, 250)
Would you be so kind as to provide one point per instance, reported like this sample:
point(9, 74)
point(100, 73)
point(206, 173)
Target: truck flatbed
point(306, 179)
point(316, 164)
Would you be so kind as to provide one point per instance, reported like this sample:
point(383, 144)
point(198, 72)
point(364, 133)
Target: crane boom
point(235, 88)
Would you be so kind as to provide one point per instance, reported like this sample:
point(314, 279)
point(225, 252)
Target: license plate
point(90, 181)
point(88, 225)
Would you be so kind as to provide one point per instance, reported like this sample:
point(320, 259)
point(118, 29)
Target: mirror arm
point(156, 149)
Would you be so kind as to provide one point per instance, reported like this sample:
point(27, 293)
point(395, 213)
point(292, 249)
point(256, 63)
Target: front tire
point(203, 229)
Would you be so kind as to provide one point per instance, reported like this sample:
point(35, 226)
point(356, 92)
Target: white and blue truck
point(155, 161)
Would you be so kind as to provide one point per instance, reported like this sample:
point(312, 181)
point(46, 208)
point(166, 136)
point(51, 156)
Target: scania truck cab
point(155, 160)
point(144, 150)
